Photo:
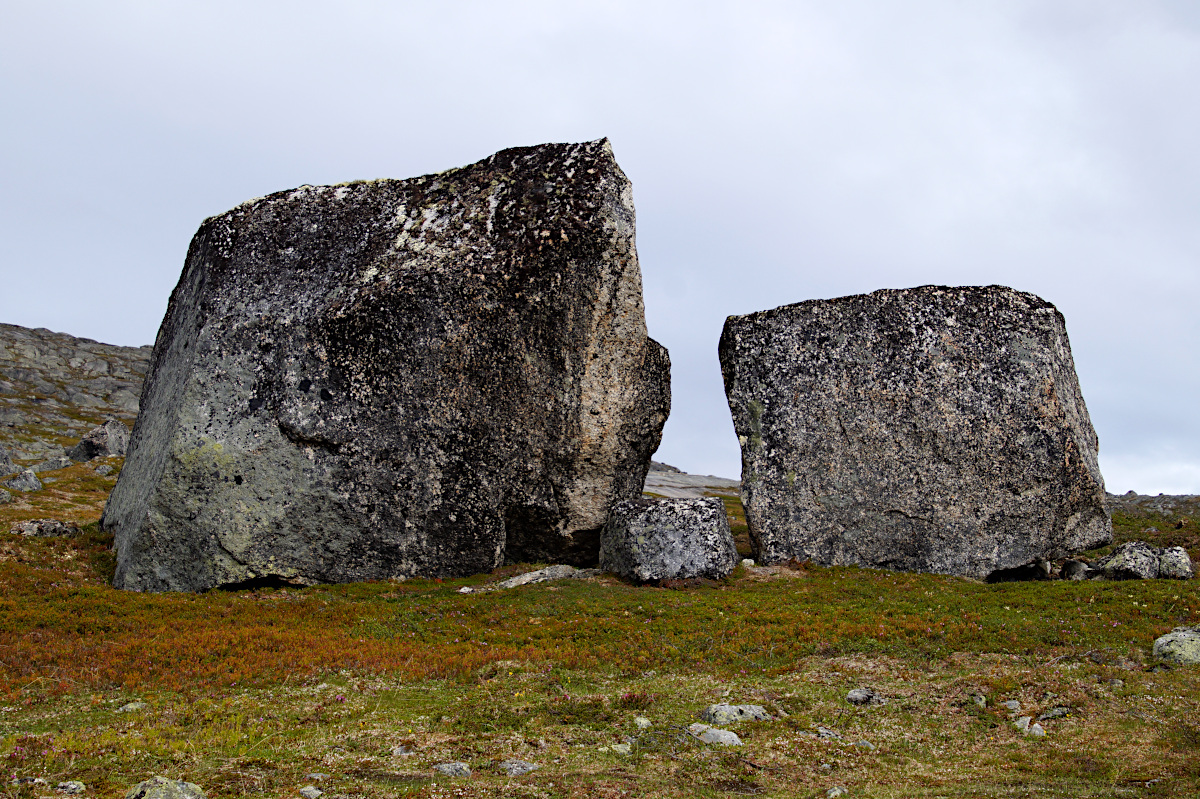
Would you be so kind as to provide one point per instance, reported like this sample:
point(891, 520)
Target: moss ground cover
point(371, 684)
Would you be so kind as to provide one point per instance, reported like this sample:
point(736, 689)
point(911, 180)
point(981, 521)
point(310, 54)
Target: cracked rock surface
point(389, 378)
point(668, 539)
point(936, 429)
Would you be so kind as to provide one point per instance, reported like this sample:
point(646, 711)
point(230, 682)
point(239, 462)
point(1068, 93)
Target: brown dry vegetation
point(248, 692)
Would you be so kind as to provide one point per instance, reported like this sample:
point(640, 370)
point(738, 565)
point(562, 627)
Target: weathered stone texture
point(929, 429)
point(390, 378)
point(668, 539)
point(106, 440)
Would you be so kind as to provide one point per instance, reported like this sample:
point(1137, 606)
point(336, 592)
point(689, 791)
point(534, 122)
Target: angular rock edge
point(394, 378)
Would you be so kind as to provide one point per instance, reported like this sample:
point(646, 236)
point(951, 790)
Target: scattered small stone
point(25, 481)
point(641, 722)
point(720, 737)
point(5, 497)
point(1116, 683)
point(1055, 713)
point(1036, 731)
point(402, 751)
point(131, 707)
point(748, 562)
point(44, 528)
point(828, 734)
point(310, 792)
point(865, 696)
point(51, 465)
point(732, 714)
point(826, 767)
point(870, 747)
point(104, 470)
point(836, 790)
point(1022, 723)
point(696, 728)
point(317, 777)
point(453, 769)
point(515, 768)
point(1181, 645)
point(70, 787)
point(165, 788)
point(980, 700)
point(624, 749)
point(1013, 706)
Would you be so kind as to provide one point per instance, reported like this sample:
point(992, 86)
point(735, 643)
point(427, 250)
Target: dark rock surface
point(106, 440)
point(55, 387)
point(668, 539)
point(390, 378)
point(929, 429)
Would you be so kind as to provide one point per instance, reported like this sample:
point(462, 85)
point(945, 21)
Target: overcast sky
point(779, 152)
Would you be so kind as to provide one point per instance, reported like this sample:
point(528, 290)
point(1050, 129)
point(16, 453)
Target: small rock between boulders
point(865, 696)
point(732, 714)
point(453, 769)
point(165, 788)
point(515, 768)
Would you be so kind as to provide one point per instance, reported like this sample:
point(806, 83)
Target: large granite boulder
point(110, 438)
point(929, 429)
point(668, 539)
point(397, 377)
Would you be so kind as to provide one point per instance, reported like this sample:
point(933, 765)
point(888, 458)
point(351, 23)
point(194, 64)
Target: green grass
point(247, 692)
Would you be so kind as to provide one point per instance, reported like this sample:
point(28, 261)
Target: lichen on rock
point(935, 429)
point(397, 377)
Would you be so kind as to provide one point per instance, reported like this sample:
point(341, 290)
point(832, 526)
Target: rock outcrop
point(930, 429)
point(55, 387)
point(1137, 560)
point(397, 377)
point(668, 539)
point(6, 465)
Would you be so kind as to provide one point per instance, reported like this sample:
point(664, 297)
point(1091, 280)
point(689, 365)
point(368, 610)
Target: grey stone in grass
point(310, 792)
point(131, 707)
point(1174, 563)
point(70, 787)
point(1133, 560)
point(642, 723)
point(44, 528)
point(515, 768)
point(6, 464)
point(25, 481)
point(622, 749)
point(732, 714)
point(720, 737)
point(870, 747)
point(668, 539)
point(5, 497)
point(1181, 645)
point(316, 777)
point(455, 769)
point(937, 429)
point(392, 378)
point(828, 734)
point(110, 438)
point(865, 696)
point(980, 700)
point(835, 791)
point(1055, 713)
point(165, 788)
point(1036, 730)
point(1022, 723)
point(51, 465)
point(1012, 706)
point(104, 470)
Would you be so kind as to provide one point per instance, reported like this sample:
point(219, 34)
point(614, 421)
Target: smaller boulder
point(864, 696)
point(1133, 560)
point(1175, 564)
point(1074, 570)
point(311, 792)
point(70, 787)
point(110, 438)
point(6, 464)
point(164, 788)
point(51, 465)
point(5, 497)
point(668, 539)
point(25, 481)
point(515, 768)
point(1181, 645)
point(453, 769)
point(44, 528)
point(732, 714)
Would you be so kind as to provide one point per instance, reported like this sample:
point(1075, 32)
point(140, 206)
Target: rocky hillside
point(54, 388)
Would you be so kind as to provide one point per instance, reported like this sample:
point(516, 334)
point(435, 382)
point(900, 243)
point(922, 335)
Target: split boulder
point(110, 438)
point(931, 429)
point(391, 378)
point(668, 539)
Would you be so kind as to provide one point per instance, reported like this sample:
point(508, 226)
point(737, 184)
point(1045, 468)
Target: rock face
point(929, 429)
point(391, 378)
point(1137, 560)
point(668, 539)
point(110, 438)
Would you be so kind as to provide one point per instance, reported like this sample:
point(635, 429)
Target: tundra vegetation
point(246, 693)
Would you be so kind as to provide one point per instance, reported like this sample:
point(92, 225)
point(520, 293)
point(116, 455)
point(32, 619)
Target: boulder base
point(930, 429)
point(397, 377)
point(668, 539)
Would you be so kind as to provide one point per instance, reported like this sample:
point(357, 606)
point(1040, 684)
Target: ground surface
point(246, 693)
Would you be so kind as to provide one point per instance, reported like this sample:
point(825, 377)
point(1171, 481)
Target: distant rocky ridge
point(54, 388)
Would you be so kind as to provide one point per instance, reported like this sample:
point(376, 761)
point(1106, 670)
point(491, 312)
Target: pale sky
point(779, 151)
